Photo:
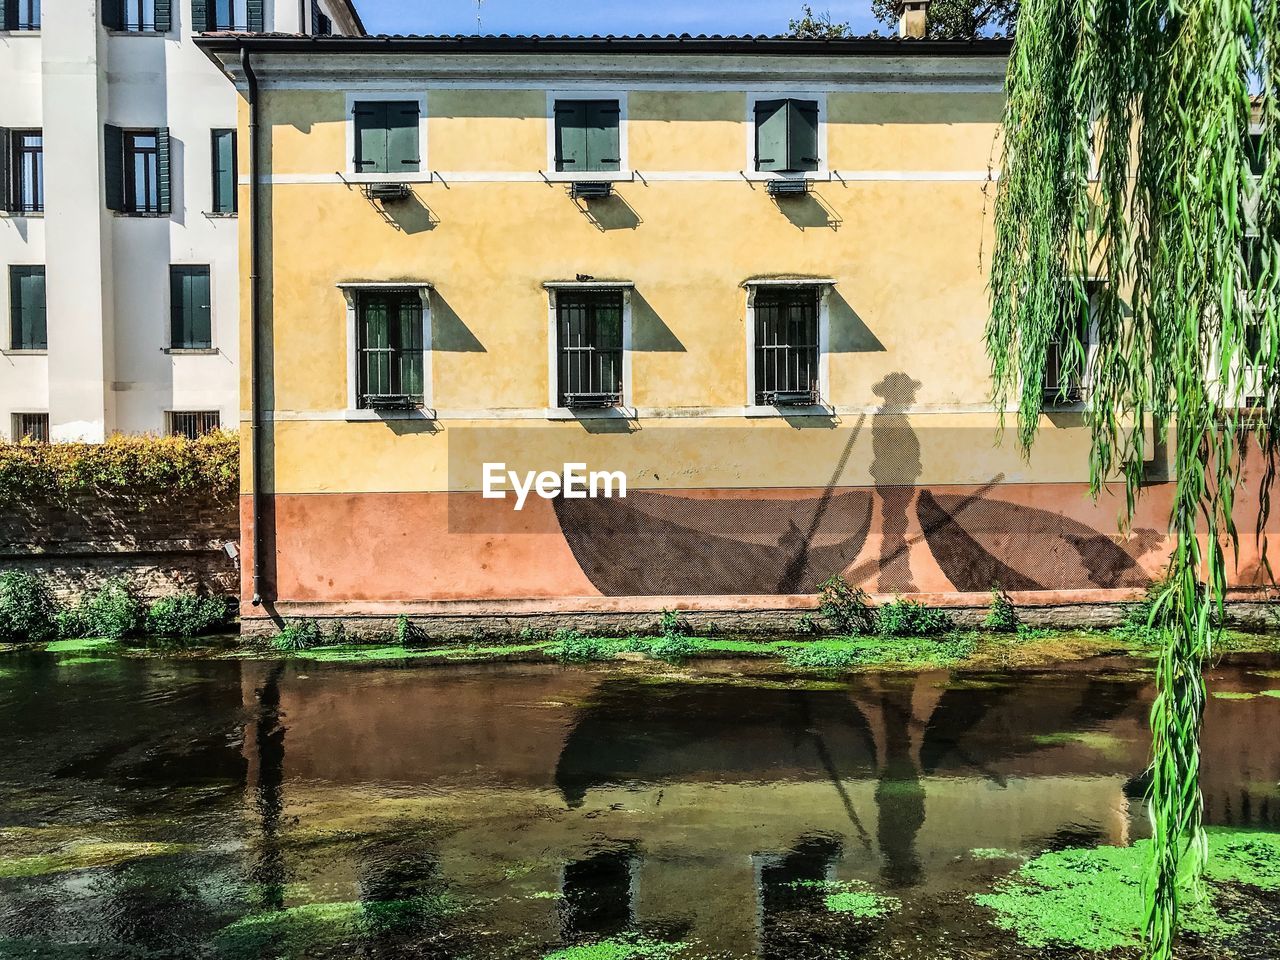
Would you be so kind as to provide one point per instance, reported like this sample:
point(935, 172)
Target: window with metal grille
point(389, 366)
point(20, 15)
point(589, 348)
point(31, 426)
point(786, 347)
point(28, 327)
point(193, 424)
point(1067, 354)
point(141, 171)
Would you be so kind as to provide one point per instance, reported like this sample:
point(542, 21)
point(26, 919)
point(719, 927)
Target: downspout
point(255, 390)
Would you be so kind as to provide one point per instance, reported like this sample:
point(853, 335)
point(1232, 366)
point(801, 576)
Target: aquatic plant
point(186, 615)
point(28, 613)
point(1002, 615)
point(85, 855)
point(574, 647)
point(907, 618)
point(1127, 155)
point(626, 947)
point(847, 609)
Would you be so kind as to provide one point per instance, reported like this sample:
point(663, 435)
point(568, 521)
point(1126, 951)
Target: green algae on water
point(992, 853)
point(1092, 899)
point(620, 948)
point(79, 645)
point(85, 856)
point(1105, 743)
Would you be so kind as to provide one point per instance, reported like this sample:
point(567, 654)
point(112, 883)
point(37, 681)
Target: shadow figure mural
point(895, 469)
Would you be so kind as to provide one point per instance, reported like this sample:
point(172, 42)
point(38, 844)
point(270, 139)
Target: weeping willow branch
point(1128, 157)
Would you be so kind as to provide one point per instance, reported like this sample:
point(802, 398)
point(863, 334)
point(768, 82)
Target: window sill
point(22, 214)
point(192, 351)
point(132, 215)
point(368, 416)
point(223, 215)
point(810, 410)
point(764, 176)
point(588, 176)
point(137, 33)
point(25, 353)
point(603, 413)
point(21, 32)
point(407, 176)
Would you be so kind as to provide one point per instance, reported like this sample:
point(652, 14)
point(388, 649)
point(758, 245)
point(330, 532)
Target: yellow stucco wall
point(904, 238)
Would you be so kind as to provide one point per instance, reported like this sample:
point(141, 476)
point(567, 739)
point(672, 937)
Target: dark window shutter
point(8, 188)
point(164, 179)
point(200, 16)
point(802, 135)
point(113, 14)
point(253, 12)
point(28, 325)
point(402, 137)
point(571, 136)
point(602, 135)
point(190, 308)
point(224, 171)
point(164, 16)
point(370, 119)
point(771, 135)
point(113, 165)
point(8, 14)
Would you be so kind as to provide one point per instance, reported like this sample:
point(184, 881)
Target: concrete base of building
point(750, 616)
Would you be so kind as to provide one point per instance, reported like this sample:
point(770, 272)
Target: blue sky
point(600, 16)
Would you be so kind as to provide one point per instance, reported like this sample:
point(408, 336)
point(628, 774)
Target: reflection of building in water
point(589, 803)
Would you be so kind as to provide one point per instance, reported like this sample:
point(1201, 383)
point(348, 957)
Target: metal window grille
point(390, 363)
point(1066, 356)
point(786, 346)
point(31, 426)
point(27, 188)
point(142, 172)
point(140, 15)
point(231, 15)
point(589, 347)
point(193, 424)
point(28, 16)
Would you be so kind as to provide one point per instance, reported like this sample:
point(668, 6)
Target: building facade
point(119, 275)
point(745, 278)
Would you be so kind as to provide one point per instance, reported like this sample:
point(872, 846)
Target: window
point(589, 348)
point(224, 171)
point(241, 15)
point(1255, 151)
point(786, 346)
point(22, 170)
point(190, 313)
point(138, 16)
point(389, 342)
point(192, 424)
point(27, 324)
point(587, 136)
point(20, 14)
point(321, 25)
point(386, 136)
point(137, 170)
point(1067, 356)
point(786, 136)
point(31, 426)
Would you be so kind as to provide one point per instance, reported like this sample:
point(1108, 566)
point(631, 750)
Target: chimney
point(913, 19)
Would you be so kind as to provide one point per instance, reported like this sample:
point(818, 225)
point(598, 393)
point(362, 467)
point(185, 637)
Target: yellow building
point(746, 277)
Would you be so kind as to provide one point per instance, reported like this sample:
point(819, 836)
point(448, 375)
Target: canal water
point(225, 808)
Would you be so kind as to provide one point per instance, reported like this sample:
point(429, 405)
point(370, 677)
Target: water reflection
point(508, 811)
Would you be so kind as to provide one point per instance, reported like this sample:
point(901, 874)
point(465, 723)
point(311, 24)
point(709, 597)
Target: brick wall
point(161, 542)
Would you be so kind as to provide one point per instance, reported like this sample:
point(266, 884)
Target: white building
point(119, 271)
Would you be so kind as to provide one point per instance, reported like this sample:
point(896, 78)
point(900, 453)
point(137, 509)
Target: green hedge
point(143, 464)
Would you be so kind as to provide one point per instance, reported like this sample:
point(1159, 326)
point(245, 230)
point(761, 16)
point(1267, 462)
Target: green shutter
point(402, 136)
point(253, 13)
point(802, 135)
point(190, 308)
point(164, 180)
point(771, 135)
point(113, 166)
point(224, 171)
point(571, 136)
point(370, 118)
point(602, 139)
point(200, 16)
point(113, 14)
point(164, 16)
point(7, 192)
point(28, 327)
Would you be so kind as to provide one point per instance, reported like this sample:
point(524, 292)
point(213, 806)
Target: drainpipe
point(255, 391)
